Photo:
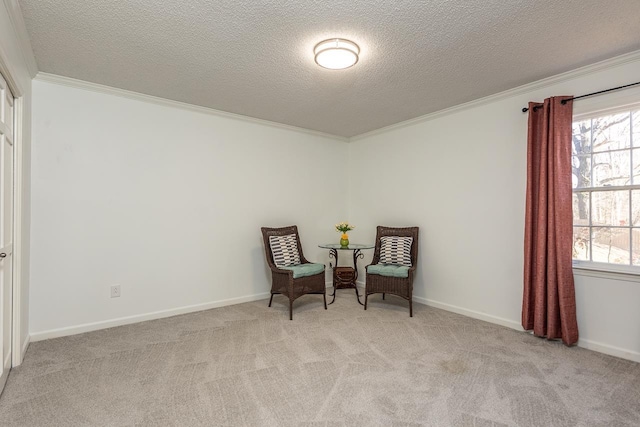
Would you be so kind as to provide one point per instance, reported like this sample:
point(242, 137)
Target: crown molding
point(95, 87)
point(529, 87)
point(8, 72)
point(20, 28)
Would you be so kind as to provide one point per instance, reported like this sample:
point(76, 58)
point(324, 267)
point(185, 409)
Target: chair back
point(382, 231)
point(282, 231)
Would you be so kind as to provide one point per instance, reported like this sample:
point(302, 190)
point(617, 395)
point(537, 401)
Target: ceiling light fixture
point(336, 54)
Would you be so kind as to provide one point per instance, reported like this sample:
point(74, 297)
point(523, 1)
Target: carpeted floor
point(249, 365)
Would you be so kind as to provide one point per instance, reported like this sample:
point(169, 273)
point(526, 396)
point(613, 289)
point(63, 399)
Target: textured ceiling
point(255, 57)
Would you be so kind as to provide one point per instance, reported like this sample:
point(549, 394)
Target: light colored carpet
point(249, 365)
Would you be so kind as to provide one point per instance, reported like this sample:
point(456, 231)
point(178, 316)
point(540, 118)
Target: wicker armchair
point(400, 286)
point(282, 281)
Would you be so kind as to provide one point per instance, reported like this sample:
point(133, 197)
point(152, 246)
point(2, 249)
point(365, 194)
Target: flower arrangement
point(344, 227)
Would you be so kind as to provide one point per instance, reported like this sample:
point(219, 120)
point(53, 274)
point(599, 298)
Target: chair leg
point(290, 310)
point(270, 300)
point(366, 298)
point(383, 294)
point(411, 306)
point(324, 296)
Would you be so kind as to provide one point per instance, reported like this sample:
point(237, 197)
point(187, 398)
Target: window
point(606, 189)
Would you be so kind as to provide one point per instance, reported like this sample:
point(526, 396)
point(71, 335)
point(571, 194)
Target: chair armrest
point(277, 270)
point(306, 261)
point(412, 270)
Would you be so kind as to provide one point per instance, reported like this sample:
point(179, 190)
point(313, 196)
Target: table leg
point(333, 253)
point(356, 254)
point(357, 294)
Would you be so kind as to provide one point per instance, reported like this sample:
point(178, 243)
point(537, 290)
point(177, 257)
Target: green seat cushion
point(302, 270)
point(388, 270)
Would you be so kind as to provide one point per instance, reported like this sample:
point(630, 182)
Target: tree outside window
point(606, 188)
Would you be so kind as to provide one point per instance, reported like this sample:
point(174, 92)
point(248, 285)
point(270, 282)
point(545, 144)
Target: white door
point(6, 226)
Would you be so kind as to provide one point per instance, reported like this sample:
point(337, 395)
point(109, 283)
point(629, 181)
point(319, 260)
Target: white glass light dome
point(336, 54)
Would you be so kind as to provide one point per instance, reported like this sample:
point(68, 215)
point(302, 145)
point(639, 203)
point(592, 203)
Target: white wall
point(14, 58)
point(168, 203)
point(461, 177)
point(164, 201)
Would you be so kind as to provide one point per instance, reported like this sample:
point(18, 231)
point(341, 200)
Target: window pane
point(636, 246)
point(611, 168)
point(605, 153)
point(581, 167)
point(635, 119)
point(581, 137)
point(581, 243)
point(610, 245)
point(636, 166)
point(610, 208)
point(581, 208)
point(635, 207)
point(611, 132)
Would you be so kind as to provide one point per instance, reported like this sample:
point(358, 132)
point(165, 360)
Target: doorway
point(7, 127)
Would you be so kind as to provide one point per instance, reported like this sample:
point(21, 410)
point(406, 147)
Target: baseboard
point(465, 312)
point(609, 349)
point(88, 327)
point(470, 313)
point(584, 343)
point(25, 346)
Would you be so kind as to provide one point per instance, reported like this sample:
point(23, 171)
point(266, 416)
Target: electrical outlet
point(115, 291)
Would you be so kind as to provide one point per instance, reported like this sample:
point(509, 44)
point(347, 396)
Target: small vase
point(344, 240)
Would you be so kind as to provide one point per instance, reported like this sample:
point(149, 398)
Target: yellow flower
point(343, 227)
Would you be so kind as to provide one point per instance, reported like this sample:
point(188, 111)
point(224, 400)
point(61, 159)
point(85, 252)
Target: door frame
point(17, 348)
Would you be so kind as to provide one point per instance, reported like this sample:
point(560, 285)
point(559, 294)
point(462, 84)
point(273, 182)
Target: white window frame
point(599, 269)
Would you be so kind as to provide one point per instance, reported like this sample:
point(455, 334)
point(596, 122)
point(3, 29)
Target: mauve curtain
point(549, 303)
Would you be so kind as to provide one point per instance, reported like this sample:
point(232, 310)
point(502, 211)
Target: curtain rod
point(564, 101)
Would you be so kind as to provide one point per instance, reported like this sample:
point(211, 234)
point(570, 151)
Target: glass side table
point(345, 277)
